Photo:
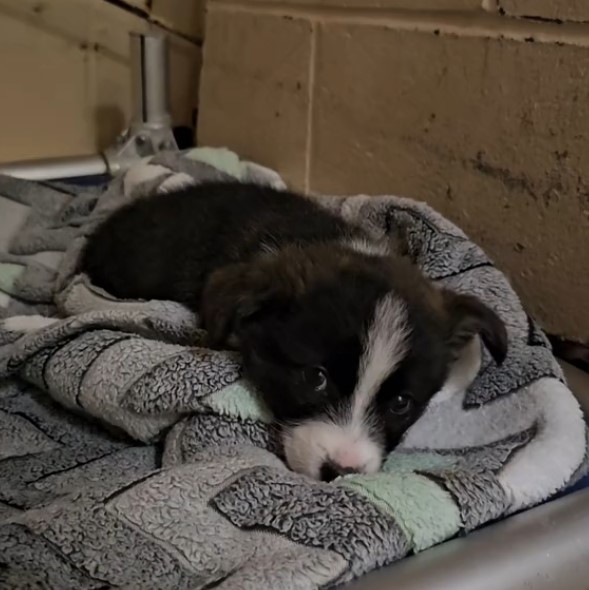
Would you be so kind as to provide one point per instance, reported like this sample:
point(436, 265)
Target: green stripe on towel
point(239, 401)
point(417, 461)
point(9, 274)
point(425, 512)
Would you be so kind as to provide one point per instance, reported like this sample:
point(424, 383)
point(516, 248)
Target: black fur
point(167, 246)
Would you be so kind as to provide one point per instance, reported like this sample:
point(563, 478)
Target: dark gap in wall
point(575, 353)
point(146, 15)
point(132, 9)
point(554, 21)
point(543, 19)
point(184, 137)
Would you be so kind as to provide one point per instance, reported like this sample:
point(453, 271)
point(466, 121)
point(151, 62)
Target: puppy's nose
point(331, 470)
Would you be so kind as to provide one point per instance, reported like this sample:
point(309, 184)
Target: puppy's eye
point(401, 405)
point(316, 377)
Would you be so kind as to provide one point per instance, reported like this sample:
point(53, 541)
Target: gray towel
point(133, 457)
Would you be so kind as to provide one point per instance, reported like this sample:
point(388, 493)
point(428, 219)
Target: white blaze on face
point(347, 439)
point(385, 347)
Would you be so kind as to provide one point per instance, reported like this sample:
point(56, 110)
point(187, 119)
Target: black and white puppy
point(346, 341)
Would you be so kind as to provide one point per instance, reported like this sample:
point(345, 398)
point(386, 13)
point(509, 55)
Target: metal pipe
point(53, 168)
point(149, 59)
point(149, 131)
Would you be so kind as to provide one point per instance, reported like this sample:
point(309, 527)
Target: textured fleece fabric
point(133, 457)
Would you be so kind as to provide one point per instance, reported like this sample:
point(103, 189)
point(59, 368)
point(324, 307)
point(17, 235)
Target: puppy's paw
point(26, 324)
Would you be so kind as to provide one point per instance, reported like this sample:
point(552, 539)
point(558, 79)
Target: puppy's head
point(346, 349)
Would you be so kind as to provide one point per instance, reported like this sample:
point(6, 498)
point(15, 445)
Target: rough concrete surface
point(574, 10)
point(257, 95)
point(403, 4)
point(489, 131)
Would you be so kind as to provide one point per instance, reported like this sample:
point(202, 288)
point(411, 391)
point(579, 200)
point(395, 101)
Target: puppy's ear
point(467, 317)
point(237, 294)
point(399, 241)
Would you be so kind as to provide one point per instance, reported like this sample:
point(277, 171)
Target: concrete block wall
point(479, 107)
